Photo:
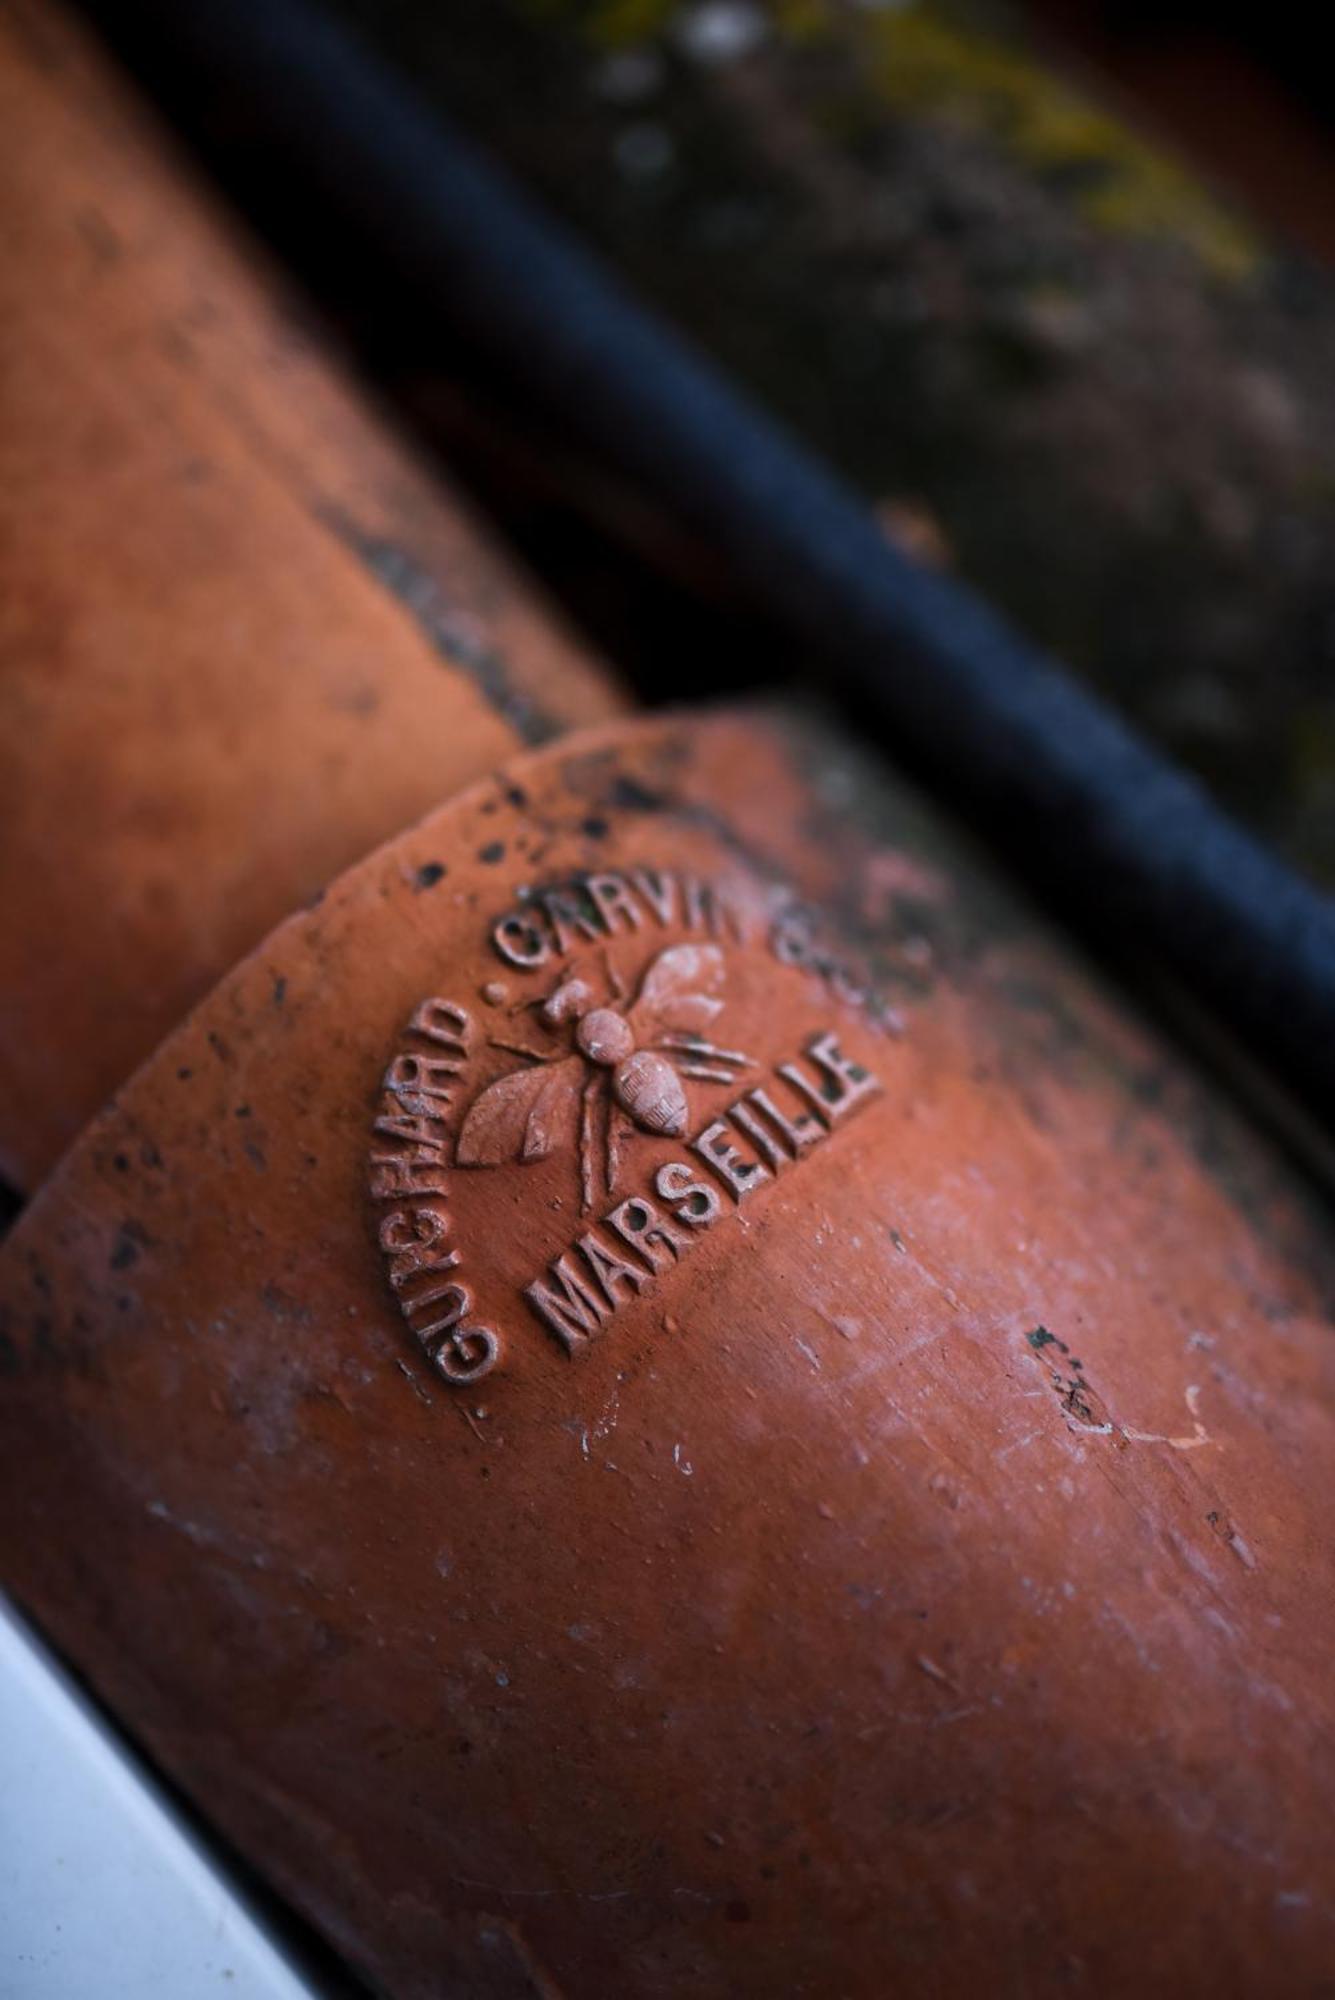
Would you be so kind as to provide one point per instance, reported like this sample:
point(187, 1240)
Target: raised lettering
point(742, 1115)
point(400, 1177)
point(697, 1204)
point(454, 1301)
point(467, 1354)
point(846, 1082)
point(638, 1223)
point(441, 1021)
point(567, 920)
point(610, 1269)
point(612, 899)
point(571, 1308)
point(715, 1147)
point(659, 892)
point(426, 1131)
point(414, 1240)
point(797, 1133)
point(422, 1084)
point(520, 942)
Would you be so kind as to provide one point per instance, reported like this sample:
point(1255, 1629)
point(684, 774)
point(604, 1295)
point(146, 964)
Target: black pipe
point(1084, 805)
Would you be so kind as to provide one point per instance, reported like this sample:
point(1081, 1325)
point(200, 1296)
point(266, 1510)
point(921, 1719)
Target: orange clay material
point(243, 637)
point(854, 1518)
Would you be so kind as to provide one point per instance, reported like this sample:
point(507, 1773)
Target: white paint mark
point(1199, 1434)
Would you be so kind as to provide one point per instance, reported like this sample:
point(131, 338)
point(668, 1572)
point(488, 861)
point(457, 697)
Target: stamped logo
point(628, 1062)
point(560, 1143)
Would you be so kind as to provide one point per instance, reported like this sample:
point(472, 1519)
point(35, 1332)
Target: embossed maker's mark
point(409, 1166)
point(609, 1048)
point(549, 924)
point(627, 1062)
point(615, 1259)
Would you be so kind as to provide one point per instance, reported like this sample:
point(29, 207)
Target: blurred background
point(1048, 283)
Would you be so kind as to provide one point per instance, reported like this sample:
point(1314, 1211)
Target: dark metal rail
point(1075, 798)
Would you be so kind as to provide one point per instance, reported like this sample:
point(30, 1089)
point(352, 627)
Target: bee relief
point(608, 1065)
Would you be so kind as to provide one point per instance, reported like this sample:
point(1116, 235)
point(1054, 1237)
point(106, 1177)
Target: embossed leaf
point(678, 989)
point(551, 1122)
point(526, 1115)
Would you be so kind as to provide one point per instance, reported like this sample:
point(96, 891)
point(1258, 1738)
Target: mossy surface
point(1102, 395)
point(927, 64)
